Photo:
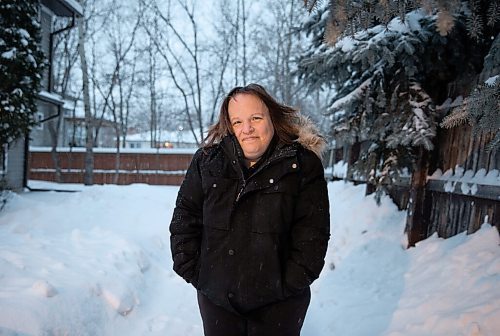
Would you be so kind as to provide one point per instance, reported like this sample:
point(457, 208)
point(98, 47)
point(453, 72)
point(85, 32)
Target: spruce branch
point(459, 116)
point(481, 110)
point(349, 17)
point(312, 5)
point(493, 13)
point(445, 22)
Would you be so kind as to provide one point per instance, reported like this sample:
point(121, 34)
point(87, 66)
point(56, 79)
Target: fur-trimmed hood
point(309, 136)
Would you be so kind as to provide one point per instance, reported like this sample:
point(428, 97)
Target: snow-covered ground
point(97, 262)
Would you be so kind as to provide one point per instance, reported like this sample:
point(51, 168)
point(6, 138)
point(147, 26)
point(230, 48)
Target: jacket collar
point(233, 149)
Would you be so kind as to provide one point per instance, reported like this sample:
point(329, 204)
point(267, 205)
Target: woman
point(251, 223)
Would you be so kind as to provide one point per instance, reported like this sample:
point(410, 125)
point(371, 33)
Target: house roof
point(75, 110)
point(64, 7)
point(50, 97)
point(164, 135)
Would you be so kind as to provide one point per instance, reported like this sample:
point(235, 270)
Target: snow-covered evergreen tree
point(347, 17)
point(388, 79)
point(21, 66)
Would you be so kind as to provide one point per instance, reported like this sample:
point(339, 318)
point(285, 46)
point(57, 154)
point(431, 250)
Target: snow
point(51, 96)
point(339, 170)
point(411, 23)
point(24, 33)
point(492, 80)
point(459, 174)
point(75, 6)
point(97, 262)
point(355, 94)
point(9, 54)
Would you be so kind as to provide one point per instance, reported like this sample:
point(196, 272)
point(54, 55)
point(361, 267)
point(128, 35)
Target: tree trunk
point(117, 157)
point(54, 137)
point(89, 144)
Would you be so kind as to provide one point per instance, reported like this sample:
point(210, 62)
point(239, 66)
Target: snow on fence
point(150, 166)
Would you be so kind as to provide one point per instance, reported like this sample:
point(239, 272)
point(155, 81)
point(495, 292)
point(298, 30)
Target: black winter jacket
point(246, 243)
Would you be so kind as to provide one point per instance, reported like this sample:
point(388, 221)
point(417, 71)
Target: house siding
point(14, 174)
point(46, 28)
point(40, 135)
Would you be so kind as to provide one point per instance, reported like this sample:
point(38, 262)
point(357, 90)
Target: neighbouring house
point(73, 133)
point(164, 139)
point(50, 105)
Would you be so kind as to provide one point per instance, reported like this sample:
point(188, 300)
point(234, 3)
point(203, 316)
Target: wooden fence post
point(351, 157)
point(419, 206)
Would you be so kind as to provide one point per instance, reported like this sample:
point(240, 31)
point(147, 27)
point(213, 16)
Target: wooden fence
point(157, 167)
point(456, 187)
point(465, 191)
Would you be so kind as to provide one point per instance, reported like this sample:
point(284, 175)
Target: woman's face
point(251, 124)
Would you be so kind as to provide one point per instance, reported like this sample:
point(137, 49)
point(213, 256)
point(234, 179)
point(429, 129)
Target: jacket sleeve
point(310, 230)
point(186, 224)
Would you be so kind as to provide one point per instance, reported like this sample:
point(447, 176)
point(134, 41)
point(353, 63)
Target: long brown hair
point(284, 118)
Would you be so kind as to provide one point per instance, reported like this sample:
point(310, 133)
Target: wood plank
point(479, 218)
point(462, 146)
point(452, 218)
point(443, 215)
point(430, 228)
point(483, 155)
point(432, 221)
point(473, 214)
point(467, 215)
point(449, 216)
point(475, 154)
point(470, 146)
point(496, 216)
point(453, 153)
point(460, 214)
point(493, 158)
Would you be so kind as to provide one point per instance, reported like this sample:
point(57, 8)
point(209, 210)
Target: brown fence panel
point(452, 214)
point(158, 168)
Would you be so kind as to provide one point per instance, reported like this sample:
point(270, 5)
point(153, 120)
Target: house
point(164, 139)
point(73, 133)
point(14, 158)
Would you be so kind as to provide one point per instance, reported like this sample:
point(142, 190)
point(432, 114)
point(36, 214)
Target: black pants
point(284, 318)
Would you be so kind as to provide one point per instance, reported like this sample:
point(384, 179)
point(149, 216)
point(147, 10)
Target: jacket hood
point(309, 136)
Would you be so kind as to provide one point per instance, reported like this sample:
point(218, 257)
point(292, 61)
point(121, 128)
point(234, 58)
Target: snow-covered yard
point(97, 262)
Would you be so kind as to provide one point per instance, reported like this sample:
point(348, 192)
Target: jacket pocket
point(218, 201)
point(275, 207)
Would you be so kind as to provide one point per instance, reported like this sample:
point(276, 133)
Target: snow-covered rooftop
point(185, 136)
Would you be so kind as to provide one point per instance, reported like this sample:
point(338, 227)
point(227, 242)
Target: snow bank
point(97, 262)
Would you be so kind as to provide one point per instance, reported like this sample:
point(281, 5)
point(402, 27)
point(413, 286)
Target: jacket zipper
point(241, 190)
point(256, 172)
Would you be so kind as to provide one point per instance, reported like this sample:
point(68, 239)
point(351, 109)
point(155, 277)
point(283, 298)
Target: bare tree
point(278, 42)
point(120, 84)
point(244, 17)
point(221, 51)
point(89, 144)
point(181, 53)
